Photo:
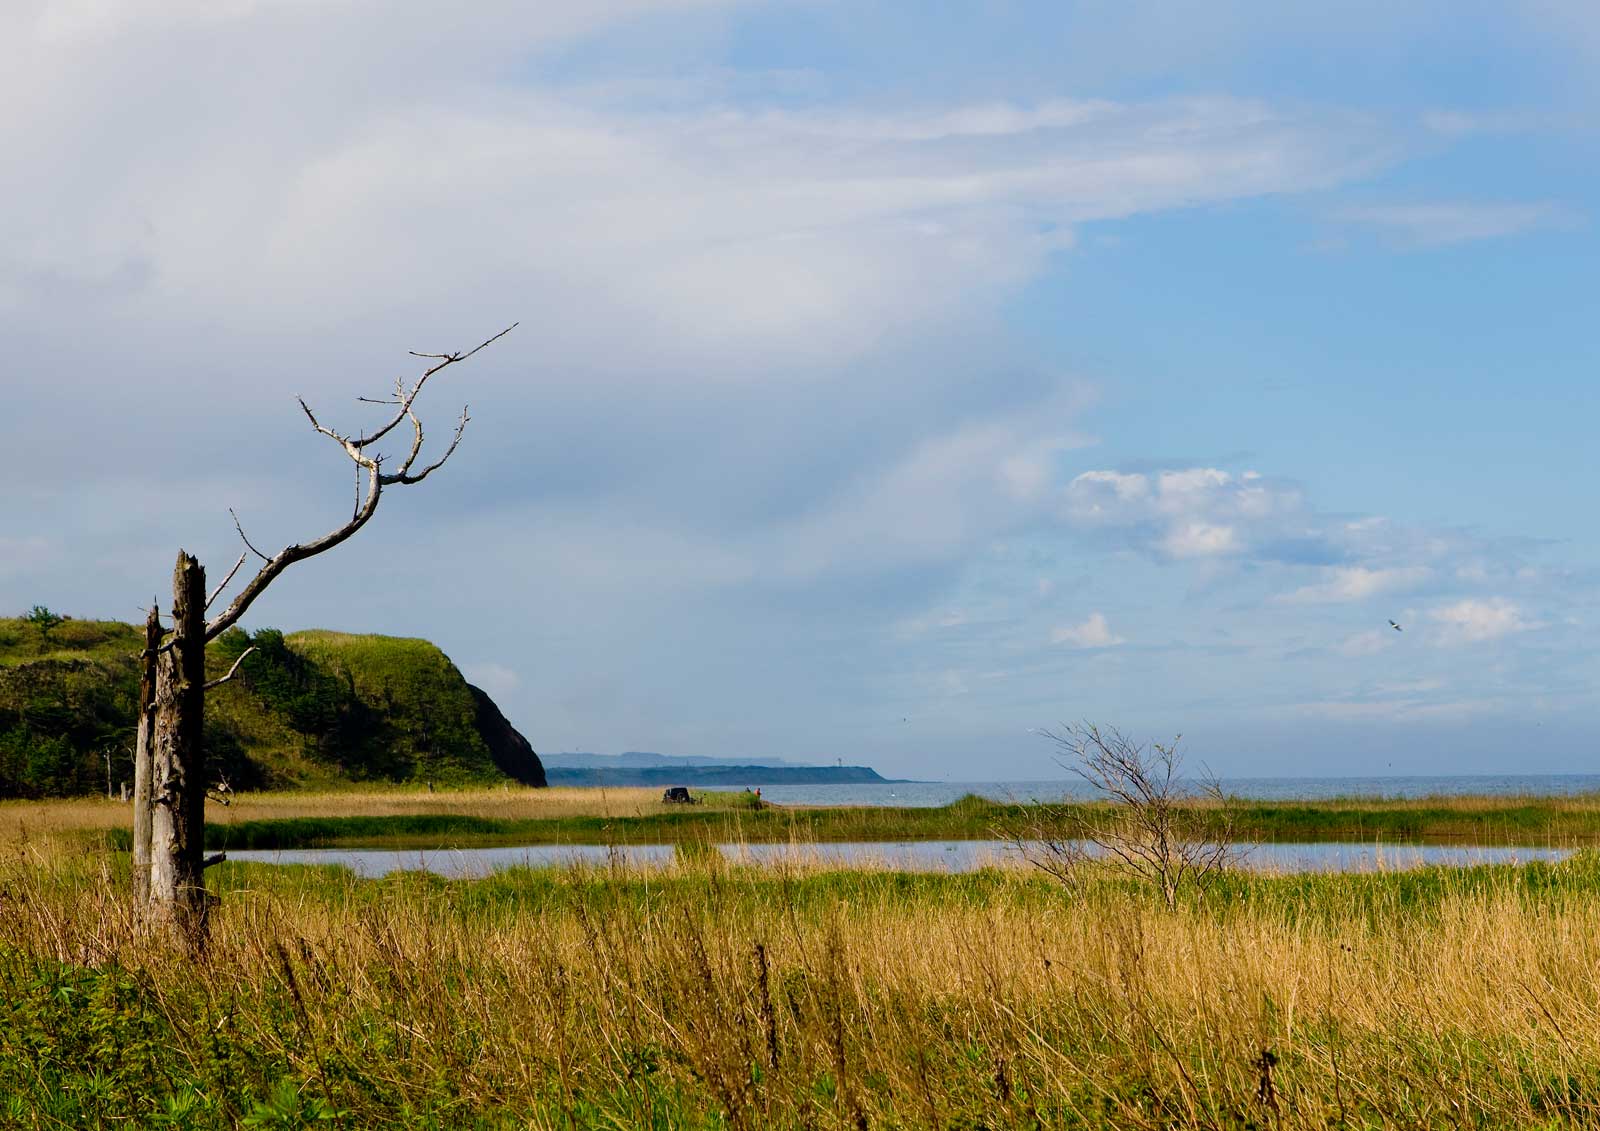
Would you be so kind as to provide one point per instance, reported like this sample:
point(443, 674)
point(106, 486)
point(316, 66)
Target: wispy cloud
point(1357, 583)
point(1413, 709)
point(1092, 633)
point(1474, 621)
point(1474, 123)
point(1438, 224)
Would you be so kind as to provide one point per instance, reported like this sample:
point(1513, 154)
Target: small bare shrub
point(1146, 820)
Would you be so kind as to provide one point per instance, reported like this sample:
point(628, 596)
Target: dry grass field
point(709, 996)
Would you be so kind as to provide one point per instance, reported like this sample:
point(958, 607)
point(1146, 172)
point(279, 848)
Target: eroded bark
point(142, 758)
point(177, 894)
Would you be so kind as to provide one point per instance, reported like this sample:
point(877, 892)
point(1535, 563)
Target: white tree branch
point(231, 671)
point(217, 592)
point(372, 463)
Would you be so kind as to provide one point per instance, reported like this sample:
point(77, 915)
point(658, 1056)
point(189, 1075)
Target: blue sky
point(893, 379)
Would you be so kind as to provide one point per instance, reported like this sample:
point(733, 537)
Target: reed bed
point(412, 817)
point(714, 995)
point(53, 819)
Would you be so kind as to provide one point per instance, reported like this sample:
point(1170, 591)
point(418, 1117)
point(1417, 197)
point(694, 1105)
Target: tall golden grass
point(718, 996)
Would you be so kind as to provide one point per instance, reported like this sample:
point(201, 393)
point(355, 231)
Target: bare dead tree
point(169, 767)
point(1146, 820)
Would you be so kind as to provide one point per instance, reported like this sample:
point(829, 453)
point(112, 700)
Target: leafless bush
point(1146, 820)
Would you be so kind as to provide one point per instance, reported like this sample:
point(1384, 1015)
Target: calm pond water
point(916, 856)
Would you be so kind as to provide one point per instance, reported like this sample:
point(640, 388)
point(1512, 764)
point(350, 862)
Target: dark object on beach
point(677, 795)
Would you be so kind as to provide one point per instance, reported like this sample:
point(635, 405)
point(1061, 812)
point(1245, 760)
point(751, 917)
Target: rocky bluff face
point(513, 754)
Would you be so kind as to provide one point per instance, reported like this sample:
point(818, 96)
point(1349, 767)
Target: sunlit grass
point(55, 819)
point(704, 994)
point(415, 817)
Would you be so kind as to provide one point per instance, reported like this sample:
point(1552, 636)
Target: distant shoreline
point(701, 775)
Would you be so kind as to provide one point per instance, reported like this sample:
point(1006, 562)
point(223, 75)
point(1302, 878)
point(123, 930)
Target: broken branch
point(217, 592)
point(240, 528)
point(231, 671)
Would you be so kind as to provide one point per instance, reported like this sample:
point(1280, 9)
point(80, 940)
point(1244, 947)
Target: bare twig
point(406, 397)
point(360, 452)
point(217, 592)
point(402, 475)
point(237, 525)
point(231, 671)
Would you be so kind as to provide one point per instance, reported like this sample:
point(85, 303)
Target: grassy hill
point(310, 708)
point(67, 695)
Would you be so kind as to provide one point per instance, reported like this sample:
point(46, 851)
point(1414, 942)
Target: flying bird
point(1396, 627)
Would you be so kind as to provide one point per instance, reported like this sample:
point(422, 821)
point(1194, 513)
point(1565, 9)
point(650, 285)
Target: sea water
point(911, 794)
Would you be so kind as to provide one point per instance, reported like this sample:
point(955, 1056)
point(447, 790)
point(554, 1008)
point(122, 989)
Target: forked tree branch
point(371, 463)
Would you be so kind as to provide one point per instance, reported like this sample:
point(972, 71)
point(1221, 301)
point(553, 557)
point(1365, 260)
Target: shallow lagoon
point(914, 856)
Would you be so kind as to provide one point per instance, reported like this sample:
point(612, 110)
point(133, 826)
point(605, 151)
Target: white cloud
point(674, 268)
point(1357, 583)
point(1473, 621)
point(1200, 540)
point(715, 232)
point(1403, 710)
point(1441, 223)
point(1197, 512)
point(1092, 633)
point(1211, 516)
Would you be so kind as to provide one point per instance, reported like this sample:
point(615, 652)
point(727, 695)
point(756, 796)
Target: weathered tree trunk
point(177, 897)
point(169, 803)
point(141, 759)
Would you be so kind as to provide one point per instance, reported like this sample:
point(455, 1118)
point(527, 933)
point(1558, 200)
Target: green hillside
point(68, 694)
point(307, 709)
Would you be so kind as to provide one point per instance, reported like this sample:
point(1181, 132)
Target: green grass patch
point(726, 818)
point(731, 818)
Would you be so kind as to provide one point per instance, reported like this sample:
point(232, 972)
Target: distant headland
point(644, 768)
